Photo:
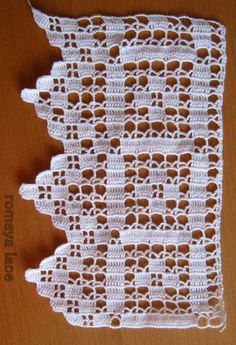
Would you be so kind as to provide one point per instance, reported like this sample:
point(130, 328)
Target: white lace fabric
point(137, 104)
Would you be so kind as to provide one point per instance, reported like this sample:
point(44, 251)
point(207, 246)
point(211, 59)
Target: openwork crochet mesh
point(137, 103)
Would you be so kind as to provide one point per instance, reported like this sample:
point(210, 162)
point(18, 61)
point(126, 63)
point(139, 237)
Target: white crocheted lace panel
point(137, 104)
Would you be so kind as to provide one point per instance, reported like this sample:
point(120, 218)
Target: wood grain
point(26, 149)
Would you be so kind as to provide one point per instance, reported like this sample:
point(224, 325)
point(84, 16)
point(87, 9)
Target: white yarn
point(137, 103)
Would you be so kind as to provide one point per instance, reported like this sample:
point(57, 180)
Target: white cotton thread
point(137, 104)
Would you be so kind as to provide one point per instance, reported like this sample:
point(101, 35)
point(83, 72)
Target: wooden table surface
point(26, 149)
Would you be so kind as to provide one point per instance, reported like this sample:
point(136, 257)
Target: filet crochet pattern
point(137, 104)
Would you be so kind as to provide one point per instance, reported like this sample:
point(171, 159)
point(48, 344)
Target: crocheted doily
point(137, 103)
